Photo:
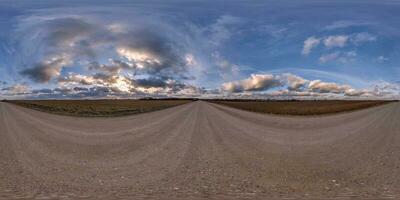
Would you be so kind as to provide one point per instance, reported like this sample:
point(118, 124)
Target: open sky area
point(305, 49)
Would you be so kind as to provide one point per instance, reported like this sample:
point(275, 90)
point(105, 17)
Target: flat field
point(299, 107)
point(98, 108)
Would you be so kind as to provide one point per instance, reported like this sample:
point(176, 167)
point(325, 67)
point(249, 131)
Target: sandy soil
point(200, 151)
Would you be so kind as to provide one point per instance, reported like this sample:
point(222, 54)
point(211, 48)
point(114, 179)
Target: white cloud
point(336, 41)
point(256, 82)
point(362, 37)
point(346, 24)
point(343, 57)
point(309, 44)
point(295, 82)
point(294, 86)
point(273, 30)
point(329, 57)
point(17, 89)
point(382, 59)
point(326, 87)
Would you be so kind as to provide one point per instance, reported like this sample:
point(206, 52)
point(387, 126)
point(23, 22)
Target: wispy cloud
point(309, 44)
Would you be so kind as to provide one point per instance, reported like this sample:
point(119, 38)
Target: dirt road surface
point(200, 151)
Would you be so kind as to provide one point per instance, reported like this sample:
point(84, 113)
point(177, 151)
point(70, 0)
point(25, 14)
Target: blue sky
point(252, 49)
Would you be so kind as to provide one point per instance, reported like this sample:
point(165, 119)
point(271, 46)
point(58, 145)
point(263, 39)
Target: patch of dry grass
point(98, 108)
point(300, 107)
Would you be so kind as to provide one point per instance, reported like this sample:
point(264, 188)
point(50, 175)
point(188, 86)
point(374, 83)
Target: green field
point(98, 108)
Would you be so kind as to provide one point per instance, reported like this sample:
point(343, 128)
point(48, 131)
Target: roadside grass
point(98, 108)
point(299, 107)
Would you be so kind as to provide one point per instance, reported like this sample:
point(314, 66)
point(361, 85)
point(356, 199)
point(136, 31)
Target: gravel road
point(200, 151)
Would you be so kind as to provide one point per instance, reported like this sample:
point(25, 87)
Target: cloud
point(151, 55)
point(336, 41)
point(281, 86)
point(114, 67)
point(152, 83)
point(326, 87)
point(309, 44)
point(273, 30)
point(125, 85)
point(362, 37)
point(346, 24)
point(343, 57)
point(223, 28)
point(382, 59)
point(329, 57)
point(256, 82)
point(46, 70)
point(77, 79)
point(16, 89)
point(294, 82)
point(293, 86)
point(138, 47)
point(42, 91)
point(227, 70)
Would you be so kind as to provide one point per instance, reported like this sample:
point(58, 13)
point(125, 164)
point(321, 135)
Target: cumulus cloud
point(327, 87)
point(293, 86)
point(309, 44)
point(256, 82)
point(294, 82)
